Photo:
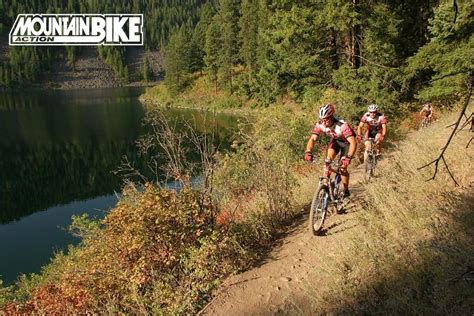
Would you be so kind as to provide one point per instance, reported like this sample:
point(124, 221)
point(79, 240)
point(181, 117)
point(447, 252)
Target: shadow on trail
point(264, 255)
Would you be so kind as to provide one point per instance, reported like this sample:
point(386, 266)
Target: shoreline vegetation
point(198, 96)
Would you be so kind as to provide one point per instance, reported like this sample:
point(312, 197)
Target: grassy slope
point(199, 95)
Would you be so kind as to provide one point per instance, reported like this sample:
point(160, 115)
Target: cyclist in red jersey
point(376, 128)
point(427, 111)
point(343, 141)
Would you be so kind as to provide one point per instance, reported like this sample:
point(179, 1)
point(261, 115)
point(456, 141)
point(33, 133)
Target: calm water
point(57, 153)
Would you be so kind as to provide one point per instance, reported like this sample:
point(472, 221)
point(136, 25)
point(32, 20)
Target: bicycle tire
point(374, 164)
point(424, 123)
point(339, 197)
point(318, 211)
point(368, 168)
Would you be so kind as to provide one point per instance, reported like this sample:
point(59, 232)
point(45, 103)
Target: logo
point(77, 29)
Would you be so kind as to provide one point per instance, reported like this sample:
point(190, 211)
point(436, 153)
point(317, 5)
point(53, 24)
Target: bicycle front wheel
point(319, 207)
point(368, 168)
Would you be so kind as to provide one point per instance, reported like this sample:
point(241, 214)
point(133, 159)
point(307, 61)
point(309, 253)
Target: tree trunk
point(333, 50)
point(352, 41)
point(356, 38)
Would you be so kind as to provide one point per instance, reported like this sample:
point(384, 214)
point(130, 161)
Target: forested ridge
point(24, 65)
point(368, 51)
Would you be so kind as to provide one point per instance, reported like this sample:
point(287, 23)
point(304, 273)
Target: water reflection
point(57, 154)
point(58, 148)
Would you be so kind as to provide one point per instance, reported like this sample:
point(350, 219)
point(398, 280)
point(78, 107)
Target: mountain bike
point(329, 193)
point(371, 161)
point(425, 122)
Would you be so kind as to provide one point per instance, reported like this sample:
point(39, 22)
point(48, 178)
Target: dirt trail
point(292, 270)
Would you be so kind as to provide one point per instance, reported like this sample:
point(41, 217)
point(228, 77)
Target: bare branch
point(456, 125)
point(449, 171)
point(377, 64)
point(453, 74)
point(128, 171)
point(469, 142)
point(469, 120)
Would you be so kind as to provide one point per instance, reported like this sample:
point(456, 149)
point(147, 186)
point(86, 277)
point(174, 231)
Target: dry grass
point(415, 251)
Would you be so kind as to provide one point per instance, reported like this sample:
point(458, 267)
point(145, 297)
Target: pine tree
point(199, 37)
point(249, 34)
point(448, 55)
point(213, 48)
point(178, 59)
point(228, 19)
point(146, 70)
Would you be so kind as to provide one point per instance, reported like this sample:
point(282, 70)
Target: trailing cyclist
point(342, 141)
point(427, 113)
point(376, 128)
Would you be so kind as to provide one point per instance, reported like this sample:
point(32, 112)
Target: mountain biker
point(427, 112)
point(342, 141)
point(376, 128)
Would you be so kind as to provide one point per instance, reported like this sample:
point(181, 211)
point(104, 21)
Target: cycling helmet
point(373, 108)
point(326, 111)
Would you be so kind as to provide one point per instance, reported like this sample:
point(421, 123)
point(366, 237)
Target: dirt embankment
point(92, 72)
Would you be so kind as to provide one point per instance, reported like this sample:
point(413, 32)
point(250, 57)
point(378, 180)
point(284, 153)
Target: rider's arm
point(312, 140)
point(352, 146)
point(384, 129)
point(359, 128)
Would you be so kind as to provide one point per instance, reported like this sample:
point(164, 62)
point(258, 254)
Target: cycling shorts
point(371, 133)
point(339, 146)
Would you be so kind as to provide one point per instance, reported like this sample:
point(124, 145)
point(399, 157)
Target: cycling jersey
point(340, 130)
point(374, 123)
point(427, 110)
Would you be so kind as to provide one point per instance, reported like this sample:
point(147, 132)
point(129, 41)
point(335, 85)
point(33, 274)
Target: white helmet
point(373, 108)
point(326, 111)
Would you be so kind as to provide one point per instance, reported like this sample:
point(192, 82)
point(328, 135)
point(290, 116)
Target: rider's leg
point(333, 150)
point(377, 145)
point(345, 178)
point(332, 153)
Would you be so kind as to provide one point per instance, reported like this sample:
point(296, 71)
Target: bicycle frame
point(331, 183)
point(327, 194)
point(372, 145)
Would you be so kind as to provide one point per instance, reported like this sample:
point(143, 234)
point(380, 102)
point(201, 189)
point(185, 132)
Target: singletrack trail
point(294, 269)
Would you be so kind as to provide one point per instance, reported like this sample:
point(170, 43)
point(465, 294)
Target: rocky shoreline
point(91, 72)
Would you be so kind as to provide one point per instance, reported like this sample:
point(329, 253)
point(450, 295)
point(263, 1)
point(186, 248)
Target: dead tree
point(469, 120)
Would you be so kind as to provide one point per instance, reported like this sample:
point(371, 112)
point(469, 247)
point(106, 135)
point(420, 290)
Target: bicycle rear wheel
point(318, 210)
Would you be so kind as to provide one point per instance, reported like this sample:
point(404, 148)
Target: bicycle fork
point(333, 187)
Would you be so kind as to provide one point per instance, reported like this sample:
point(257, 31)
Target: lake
point(58, 151)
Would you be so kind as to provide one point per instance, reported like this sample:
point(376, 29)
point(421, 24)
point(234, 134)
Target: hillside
point(90, 70)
